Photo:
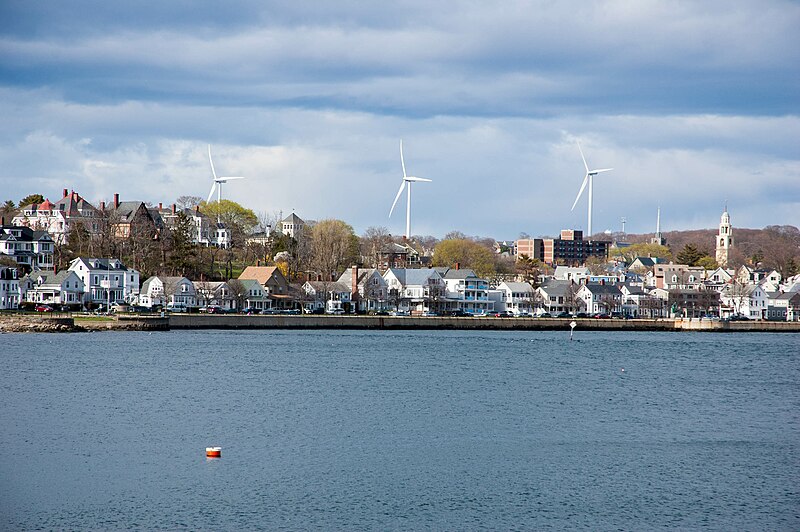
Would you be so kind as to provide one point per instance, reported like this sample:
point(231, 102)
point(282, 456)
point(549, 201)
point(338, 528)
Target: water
point(400, 430)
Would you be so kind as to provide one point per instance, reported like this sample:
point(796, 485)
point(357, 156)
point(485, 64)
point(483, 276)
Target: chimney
point(160, 206)
point(116, 201)
point(2, 221)
point(173, 208)
point(102, 205)
point(197, 209)
point(65, 193)
point(458, 265)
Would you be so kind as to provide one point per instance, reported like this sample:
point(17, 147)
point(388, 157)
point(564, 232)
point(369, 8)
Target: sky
point(694, 104)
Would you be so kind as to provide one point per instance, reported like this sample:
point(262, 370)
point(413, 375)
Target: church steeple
point(724, 237)
point(658, 238)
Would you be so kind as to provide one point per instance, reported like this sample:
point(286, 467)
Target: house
point(332, 296)
point(275, 285)
point(415, 290)
point(516, 298)
point(645, 264)
point(569, 273)
point(367, 288)
point(253, 296)
point(397, 256)
point(59, 218)
point(62, 288)
point(602, 298)
point(168, 292)
point(106, 281)
point(215, 293)
point(131, 219)
point(557, 295)
point(31, 249)
point(465, 291)
point(740, 299)
point(637, 303)
point(9, 288)
point(205, 231)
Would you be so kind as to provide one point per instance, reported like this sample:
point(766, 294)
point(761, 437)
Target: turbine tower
point(588, 178)
point(407, 179)
point(218, 181)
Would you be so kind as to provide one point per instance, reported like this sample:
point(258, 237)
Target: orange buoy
point(213, 452)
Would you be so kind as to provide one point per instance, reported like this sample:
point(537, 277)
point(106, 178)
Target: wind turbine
point(588, 179)
point(218, 181)
point(406, 179)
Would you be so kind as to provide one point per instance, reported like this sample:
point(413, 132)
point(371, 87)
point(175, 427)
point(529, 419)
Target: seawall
point(222, 321)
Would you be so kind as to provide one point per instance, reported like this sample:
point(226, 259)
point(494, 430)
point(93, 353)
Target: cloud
point(691, 103)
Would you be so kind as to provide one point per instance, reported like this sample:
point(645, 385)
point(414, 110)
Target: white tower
point(658, 238)
point(724, 238)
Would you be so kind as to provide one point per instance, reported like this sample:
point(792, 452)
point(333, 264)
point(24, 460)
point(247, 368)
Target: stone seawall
point(66, 323)
point(217, 321)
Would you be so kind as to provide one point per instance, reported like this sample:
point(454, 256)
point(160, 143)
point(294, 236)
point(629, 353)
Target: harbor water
point(407, 430)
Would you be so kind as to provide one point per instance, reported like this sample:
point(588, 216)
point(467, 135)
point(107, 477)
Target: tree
point(642, 249)
point(689, 255)
point(31, 198)
point(334, 246)
point(707, 263)
point(596, 265)
point(372, 241)
point(529, 269)
point(466, 254)
point(238, 292)
point(188, 202)
point(182, 254)
point(239, 220)
point(7, 210)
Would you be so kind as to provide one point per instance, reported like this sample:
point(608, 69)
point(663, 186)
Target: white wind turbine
point(218, 181)
point(588, 179)
point(406, 179)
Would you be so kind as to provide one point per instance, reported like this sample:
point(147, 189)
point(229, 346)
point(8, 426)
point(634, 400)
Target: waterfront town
point(219, 257)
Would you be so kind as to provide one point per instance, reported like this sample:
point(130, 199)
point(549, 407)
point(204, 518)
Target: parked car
point(459, 314)
point(177, 307)
point(429, 314)
point(544, 315)
point(581, 315)
point(335, 312)
point(44, 308)
point(382, 313)
point(523, 314)
point(563, 314)
point(250, 310)
point(601, 316)
point(290, 311)
point(399, 313)
point(269, 311)
point(502, 314)
point(617, 315)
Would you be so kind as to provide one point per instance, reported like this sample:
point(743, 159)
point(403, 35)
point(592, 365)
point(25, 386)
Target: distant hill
point(775, 246)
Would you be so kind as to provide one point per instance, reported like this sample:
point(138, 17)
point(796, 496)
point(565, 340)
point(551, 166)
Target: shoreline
point(65, 323)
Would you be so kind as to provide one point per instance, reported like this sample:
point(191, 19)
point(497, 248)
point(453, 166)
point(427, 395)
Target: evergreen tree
point(183, 254)
point(689, 255)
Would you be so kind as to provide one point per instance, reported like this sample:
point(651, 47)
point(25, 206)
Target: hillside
point(775, 246)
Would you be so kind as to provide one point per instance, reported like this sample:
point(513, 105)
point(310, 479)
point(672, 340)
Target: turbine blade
point(228, 178)
point(415, 179)
point(214, 172)
point(399, 192)
point(601, 170)
point(583, 186)
point(210, 194)
point(401, 158)
point(582, 157)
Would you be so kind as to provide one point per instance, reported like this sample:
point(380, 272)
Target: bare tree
point(238, 292)
point(372, 242)
point(188, 202)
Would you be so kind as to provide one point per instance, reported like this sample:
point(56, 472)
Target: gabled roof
point(335, 286)
point(72, 204)
point(517, 287)
point(412, 276)
point(453, 273)
point(363, 275)
point(128, 209)
point(99, 264)
point(557, 287)
point(49, 278)
point(602, 288)
point(262, 274)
